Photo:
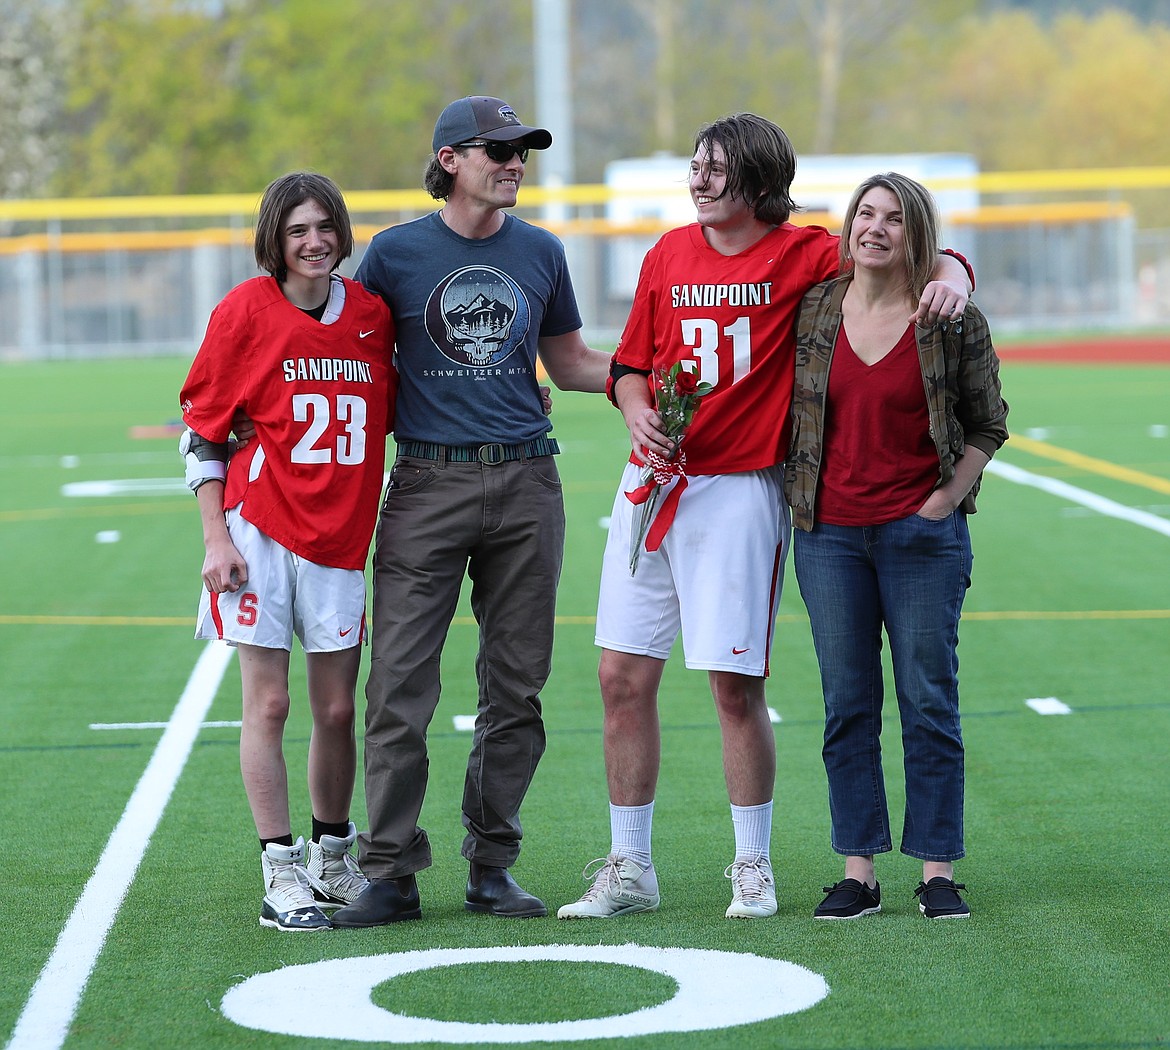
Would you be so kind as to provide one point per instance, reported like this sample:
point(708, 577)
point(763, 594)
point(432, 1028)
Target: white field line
point(134, 487)
point(1075, 495)
point(52, 1004)
point(162, 725)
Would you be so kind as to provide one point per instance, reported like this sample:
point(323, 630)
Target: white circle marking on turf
point(715, 990)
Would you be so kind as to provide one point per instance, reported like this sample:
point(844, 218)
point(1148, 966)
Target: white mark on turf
point(161, 725)
point(1159, 430)
point(715, 990)
point(108, 536)
point(44, 1023)
point(773, 715)
point(1048, 705)
point(464, 723)
point(1075, 495)
point(130, 487)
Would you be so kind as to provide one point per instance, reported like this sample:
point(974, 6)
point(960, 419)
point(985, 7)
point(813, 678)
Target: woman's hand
point(936, 507)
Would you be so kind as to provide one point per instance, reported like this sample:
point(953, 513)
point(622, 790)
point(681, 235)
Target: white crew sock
point(753, 831)
point(629, 828)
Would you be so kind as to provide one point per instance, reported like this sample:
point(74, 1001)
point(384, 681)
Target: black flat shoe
point(382, 902)
point(497, 893)
point(939, 899)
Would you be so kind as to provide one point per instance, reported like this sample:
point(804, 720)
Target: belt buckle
point(491, 453)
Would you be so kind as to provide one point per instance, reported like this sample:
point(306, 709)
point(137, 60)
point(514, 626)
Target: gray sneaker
point(336, 878)
point(620, 887)
point(288, 890)
point(753, 889)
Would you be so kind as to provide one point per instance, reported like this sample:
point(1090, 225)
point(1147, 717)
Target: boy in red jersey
point(721, 296)
point(287, 522)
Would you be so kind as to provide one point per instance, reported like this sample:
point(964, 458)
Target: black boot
point(494, 891)
point(382, 902)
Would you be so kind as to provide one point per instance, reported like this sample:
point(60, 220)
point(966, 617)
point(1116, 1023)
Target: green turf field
point(1066, 814)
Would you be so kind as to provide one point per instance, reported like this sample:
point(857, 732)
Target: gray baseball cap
point(487, 118)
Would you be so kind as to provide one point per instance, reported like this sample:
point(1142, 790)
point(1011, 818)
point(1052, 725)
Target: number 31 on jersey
point(703, 337)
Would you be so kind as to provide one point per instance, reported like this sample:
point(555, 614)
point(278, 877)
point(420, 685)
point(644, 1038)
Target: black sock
point(322, 827)
point(283, 840)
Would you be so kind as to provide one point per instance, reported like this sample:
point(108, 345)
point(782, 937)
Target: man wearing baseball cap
point(483, 117)
point(477, 296)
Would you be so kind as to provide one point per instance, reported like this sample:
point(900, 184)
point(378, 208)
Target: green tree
point(154, 98)
point(1024, 95)
point(825, 70)
point(848, 41)
point(194, 96)
point(167, 96)
point(353, 89)
point(29, 86)
point(988, 95)
point(1109, 95)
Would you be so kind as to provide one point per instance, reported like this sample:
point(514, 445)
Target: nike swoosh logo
point(737, 652)
point(342, 634)
point(362, 335)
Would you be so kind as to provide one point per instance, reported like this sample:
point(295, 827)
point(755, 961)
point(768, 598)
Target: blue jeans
point(910, 576)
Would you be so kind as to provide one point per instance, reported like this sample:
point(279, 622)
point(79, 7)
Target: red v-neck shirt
point(879, 462)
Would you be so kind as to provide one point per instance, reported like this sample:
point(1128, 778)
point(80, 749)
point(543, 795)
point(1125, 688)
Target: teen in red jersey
point(720, 296)
point(287, 520)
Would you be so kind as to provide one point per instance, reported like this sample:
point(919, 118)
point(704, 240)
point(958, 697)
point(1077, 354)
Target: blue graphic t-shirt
point(468, 316)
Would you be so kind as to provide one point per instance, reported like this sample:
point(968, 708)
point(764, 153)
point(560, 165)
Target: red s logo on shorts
point(248, 612)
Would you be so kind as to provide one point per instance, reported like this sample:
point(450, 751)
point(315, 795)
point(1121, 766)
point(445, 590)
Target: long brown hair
point(920, 226)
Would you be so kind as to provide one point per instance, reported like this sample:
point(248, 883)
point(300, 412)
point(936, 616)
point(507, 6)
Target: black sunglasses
point(500, 152)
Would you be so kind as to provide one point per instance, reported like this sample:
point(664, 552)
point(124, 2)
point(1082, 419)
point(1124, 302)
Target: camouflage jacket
point(960, 373)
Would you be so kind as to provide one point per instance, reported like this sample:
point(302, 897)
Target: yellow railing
point(1059, 182)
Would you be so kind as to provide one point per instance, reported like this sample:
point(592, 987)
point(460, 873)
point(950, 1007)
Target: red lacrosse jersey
point(322, 399)
point(734, 317)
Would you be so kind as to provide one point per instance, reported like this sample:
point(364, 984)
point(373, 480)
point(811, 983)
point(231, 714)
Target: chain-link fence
point(130, 278)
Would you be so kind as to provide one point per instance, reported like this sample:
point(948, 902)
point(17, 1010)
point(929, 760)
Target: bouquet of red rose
point(676, 395)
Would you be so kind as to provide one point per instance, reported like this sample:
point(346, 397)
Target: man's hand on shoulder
point(243, 428)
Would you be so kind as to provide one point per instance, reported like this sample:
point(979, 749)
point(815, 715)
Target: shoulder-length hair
point(920, 226)
point(760, 162)
point(280, 198)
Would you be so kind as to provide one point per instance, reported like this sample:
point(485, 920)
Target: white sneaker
point(753, 893)
point(288, 890)
point(336, 878)
point(620, 887)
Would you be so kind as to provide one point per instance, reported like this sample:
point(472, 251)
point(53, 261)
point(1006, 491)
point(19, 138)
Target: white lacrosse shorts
point(284, 595)
point(716, 580)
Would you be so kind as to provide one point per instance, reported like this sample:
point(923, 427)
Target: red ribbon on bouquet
point(664, 470)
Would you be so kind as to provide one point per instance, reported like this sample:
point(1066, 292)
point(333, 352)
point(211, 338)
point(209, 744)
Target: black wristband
point(616, 372)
